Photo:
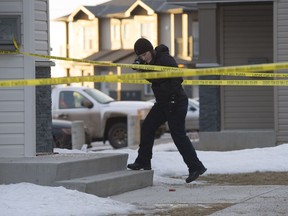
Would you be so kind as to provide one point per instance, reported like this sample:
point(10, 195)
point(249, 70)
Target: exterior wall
point(281, 55)
point(78, 30)
point(136, 27)
point(12, 107)
point(178, 30)
point(247, 39)
point(128, 33)
point(41, 27)
point(44, 138)
point(17, 104)
point(144, 26)
point(164, 33)
point(115, 35)
point(58, 47)
point(208, 57)
point(42, 69)
point(121, 34)
point(104, 30)
point(246, 114)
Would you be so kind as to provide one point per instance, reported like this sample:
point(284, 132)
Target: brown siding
point(247, 34)
point(281, 54)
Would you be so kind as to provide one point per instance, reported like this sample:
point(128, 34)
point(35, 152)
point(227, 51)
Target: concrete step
point(90, 164)
point(112, 183)
point(102, 174)
point(47, 169)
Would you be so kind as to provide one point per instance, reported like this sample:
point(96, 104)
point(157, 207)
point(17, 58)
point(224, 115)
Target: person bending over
point(171, 106)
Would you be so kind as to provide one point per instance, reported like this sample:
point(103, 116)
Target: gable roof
point(125, 56)
point(124, 8)
point(111, 7)
point(118, 8)
point(114, 56)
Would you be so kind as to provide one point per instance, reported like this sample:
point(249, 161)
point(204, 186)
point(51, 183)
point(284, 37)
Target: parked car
point(192, 117)
point(105, 118)
point(62, 136)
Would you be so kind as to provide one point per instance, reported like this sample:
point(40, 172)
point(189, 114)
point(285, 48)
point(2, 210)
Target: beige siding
point(281, 54)
point(247, 34)
point(79, 30)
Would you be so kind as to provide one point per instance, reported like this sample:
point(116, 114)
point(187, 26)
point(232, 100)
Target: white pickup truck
point(105, 118)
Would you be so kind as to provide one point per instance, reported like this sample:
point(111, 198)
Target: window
point(71, 100)
point(147, 89)
point(195, 38)
point(116, 32)
point(66, 100)
point(87, 38)
point(146, 29)
point(126, 31)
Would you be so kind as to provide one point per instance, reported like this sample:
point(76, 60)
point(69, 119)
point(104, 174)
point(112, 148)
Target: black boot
point(194, 175)
point(138, 166)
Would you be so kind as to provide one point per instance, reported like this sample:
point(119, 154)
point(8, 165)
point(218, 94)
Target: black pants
point(176, 122)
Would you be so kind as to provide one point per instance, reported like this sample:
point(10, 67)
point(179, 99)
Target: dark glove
point(138, 61)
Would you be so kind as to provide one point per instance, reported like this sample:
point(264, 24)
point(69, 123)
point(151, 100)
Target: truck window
point(66, 100)
point(71, 100)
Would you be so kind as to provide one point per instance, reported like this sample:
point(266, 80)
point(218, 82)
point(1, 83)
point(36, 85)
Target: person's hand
point(138, 61)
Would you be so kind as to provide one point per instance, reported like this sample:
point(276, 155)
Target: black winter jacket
point(164, 88)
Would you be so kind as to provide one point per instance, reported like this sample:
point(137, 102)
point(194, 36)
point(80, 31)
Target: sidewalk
point(235, 200)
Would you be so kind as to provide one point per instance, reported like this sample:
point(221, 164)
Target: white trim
point(91, 16)
point(139, 3)
point(172, 34)
point(29, 73)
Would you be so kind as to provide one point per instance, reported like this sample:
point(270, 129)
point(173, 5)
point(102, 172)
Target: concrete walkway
point(242, 200)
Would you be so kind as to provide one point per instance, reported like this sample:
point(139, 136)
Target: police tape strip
point(114, 78)
point(181, 71)
point(172, 71)
point(166, 72)
point(224, 82)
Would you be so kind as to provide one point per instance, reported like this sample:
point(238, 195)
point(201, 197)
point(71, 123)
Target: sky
point(60, 8)
point(30, 199)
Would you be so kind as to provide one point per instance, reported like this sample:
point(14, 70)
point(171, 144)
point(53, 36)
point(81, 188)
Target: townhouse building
point(107, 32)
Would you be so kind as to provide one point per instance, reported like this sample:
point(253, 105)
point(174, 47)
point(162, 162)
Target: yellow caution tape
point(223, 82)
point(181, 71)
point(171, 71)
point(165, 72)
point(114, 78)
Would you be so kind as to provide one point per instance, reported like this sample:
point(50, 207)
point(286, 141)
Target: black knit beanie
point(142, 45)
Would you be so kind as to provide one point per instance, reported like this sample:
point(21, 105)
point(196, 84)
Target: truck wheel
point(117, 135)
